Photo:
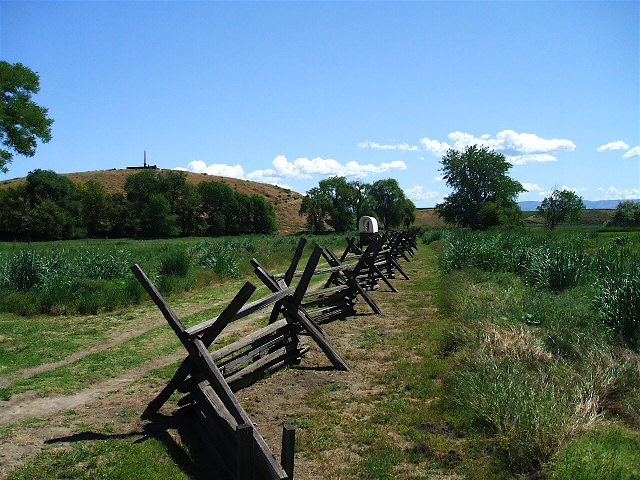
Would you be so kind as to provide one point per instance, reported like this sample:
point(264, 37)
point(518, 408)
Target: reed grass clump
point(432, 235)
point(66, 281)
point(219, 258)
point(618, 304)
point(175, 262)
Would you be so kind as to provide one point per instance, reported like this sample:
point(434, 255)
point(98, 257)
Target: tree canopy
point(389, 202)
point(627, 214)
point(558, 206)
point(156, 204)
point(477, 176)
point(339, 204)
point(22, 121)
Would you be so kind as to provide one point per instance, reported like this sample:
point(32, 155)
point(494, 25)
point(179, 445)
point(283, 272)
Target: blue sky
point(291, 93)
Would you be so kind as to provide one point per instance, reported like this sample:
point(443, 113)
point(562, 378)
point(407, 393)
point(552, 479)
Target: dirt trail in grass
point(98, 405)
point(25, 405)
point(115, 339)
point(146, 318)
point(324, 403)
point(28, 405)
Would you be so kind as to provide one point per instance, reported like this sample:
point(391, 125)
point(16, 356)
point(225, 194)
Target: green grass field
point(485, 365)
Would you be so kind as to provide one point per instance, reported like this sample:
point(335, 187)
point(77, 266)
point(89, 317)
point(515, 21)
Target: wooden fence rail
point(208, 379)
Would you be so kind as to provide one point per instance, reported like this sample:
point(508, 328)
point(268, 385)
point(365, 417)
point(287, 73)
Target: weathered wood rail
point(209, 380)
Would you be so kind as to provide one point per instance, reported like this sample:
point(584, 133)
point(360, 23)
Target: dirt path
point(150, 319)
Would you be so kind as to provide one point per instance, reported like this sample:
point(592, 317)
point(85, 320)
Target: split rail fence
point(208, 380)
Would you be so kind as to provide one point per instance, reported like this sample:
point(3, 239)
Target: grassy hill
point(286, 202)
point(427, 216)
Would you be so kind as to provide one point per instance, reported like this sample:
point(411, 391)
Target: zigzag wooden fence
point(208, 379)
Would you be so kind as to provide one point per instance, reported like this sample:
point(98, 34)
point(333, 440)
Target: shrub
point(217, 257)
point(26, 269)
point(175, 263)
point(627, 214)
point(617, 303)
point(526, 412)
point(557, 269)
point(103, 266)
point(174, 284)
point(431, 235)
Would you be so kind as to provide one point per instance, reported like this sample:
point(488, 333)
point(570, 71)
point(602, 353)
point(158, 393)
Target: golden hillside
point(286, 202)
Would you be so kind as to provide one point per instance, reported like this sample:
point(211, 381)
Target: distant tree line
point(338, 204)
point(627, 214)
point(155, 204)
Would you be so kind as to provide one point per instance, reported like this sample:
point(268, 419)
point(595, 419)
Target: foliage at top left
point(22, 121)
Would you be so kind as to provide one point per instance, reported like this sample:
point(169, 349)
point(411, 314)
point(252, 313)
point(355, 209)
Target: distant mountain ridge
point(530, 205)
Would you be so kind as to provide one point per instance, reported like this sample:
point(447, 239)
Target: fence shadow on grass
point(189, 453)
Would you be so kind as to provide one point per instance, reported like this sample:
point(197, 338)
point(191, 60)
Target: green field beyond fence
point(89, 276)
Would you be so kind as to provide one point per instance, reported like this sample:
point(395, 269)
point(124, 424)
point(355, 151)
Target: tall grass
point(65, 281)
point(618, 304)
point(539, 352)
point(558, 263)
point(92, 275)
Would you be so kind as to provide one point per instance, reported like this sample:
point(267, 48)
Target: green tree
point(362, 201)
point(477, 176)
point(264, 218)
point(219, 206)
point(96, 208)
point(14, 209)
point(123, 223)
point(493, 214)
point(561, 204)
point(342, 198)
point(627, 214)
point(156, 219)
point(189, 212)
point(22, 121)
point(317, 207)
point(389, 201)
point(173, 185)
point(47, 186)
point(408, 213)
point(140, 186)
point(47, 221)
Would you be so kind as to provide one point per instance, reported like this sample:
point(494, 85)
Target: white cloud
point(530, 158)
point(532, 187)
point(418, 193)
point(512, 142)
point(220, 169)
point(306, 167)
point(634, 152)
point(264, 176)
point(614, 193)
point(546, 193)
point(434, 146)
point(572, 189)
point(300, 168)
point(617, 145)
point(398, 146)
point(518, 148)
point(438, 178)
